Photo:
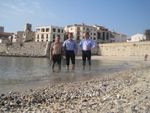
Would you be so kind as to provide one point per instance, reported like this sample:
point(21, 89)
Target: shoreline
point(126, 91)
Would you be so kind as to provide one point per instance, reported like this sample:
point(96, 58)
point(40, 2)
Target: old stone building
point(24, 36)
point(5, 36)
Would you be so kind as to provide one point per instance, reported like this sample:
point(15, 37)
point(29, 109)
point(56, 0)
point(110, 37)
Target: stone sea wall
point(41, 49)
point(30, 49)
point(125, 49)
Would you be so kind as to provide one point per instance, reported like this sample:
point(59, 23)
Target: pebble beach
point(122, 92)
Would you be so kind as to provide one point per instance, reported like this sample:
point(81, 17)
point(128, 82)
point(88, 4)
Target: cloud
point(20, 7)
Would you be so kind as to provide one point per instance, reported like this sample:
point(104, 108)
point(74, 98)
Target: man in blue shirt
point(86, 44)
point(70, 48)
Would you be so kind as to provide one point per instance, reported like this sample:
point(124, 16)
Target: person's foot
point(67, 68)
point(73, 67)
point(83, 67)
point(89, 67)
point(53, 70)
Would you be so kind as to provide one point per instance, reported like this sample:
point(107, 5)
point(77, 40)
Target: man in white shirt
point(86, 44)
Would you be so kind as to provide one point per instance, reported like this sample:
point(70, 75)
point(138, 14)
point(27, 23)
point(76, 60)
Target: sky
point(123, 16)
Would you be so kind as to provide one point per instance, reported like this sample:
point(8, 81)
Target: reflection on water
point(15, 71)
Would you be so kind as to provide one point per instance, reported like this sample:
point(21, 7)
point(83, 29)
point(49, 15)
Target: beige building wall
point(79, 29)
point(48, 33)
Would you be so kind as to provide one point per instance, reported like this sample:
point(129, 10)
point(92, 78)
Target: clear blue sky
point(125, 16)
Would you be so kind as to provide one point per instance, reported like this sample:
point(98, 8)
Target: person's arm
point(81, 43)
point(51, 51)
point(76, 48)
point(93, 44)
point(62, 50)
point(64, 46)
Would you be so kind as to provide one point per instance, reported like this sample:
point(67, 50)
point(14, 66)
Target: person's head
point(57, 38)
point(70, 35)
point(86, 35)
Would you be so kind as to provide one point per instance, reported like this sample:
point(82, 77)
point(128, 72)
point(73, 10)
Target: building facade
point(5, 37)
point(137, 38)
point(147, 34)
point(79, 29)
point(48, 33)
point(1, 29)
point(98, 33)
point(24, 36)
point(103, 34)
point(118, 37)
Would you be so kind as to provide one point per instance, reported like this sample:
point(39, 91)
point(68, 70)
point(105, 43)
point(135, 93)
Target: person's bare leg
point(59, 67)
point(67, 67)
point(89, 64)
point(53, 67)
point(73, 67)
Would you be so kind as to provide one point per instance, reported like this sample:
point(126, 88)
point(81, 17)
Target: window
point(54, 30)
point(53, 36)
point(37, 40)
point(46, 35)
point(94, 34)
point(47, 29)
point(62, 31)
point(43, 30)
point(94, 38)
point(91, 33)
point(103, 35)
point(98, 35)
point(42, 40)
point(58, 30)
point(78, 28)
point(107, 36)
point(42, 36)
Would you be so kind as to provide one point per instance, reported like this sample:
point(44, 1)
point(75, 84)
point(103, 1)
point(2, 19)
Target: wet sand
point(127, 91)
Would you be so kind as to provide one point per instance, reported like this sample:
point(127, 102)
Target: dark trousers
point(70, 55)
point(86, 55)
point(56, 59)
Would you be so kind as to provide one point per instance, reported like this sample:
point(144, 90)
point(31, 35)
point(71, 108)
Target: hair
point(87, 33)
point(69, 33)
point(58, 36)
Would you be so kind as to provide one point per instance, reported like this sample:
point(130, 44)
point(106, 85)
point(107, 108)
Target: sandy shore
point(122, 92)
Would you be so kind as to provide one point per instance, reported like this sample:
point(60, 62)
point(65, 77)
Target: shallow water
point(20, 72)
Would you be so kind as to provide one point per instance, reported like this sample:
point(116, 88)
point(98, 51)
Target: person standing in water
point(56, 51)
point(86, 44)
point(70, 48)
